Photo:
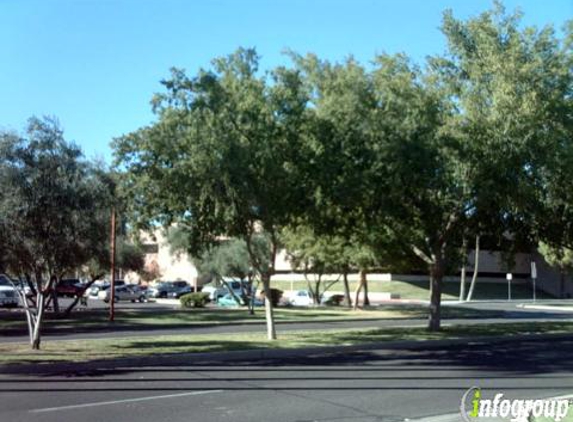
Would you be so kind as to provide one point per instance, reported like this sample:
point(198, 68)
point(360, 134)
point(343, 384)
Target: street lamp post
point(533, 279)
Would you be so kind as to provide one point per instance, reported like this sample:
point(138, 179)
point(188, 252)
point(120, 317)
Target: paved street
point(381, 385)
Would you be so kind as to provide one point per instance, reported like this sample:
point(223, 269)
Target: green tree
point(559, 257)
point(511, 90)
point(230, 258)
point(316, 256)
point(49, 211)
point(221, 158)
point(129, 257)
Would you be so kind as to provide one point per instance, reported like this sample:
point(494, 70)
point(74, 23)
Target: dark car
point(184, 290)
point(69, 287)
point(166, 289)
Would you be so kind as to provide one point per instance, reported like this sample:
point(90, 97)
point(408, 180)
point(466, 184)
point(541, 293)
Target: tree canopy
point(399, 159)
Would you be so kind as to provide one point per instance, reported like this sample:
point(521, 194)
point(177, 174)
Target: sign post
point(533, 279)
point(509, 276)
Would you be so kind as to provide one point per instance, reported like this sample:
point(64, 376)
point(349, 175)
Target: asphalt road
point(380, 385)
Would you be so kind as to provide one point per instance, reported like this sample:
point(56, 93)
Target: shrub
point(194, 300)
point(334, 300)
point(276, 296)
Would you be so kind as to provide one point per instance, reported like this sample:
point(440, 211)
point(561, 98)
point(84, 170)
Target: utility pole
point(533, 279)
point(112, 260)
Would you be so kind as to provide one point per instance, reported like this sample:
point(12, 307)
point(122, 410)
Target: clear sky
point(95, 64)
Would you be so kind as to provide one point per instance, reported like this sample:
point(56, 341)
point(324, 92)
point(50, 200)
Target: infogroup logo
point(474, 406)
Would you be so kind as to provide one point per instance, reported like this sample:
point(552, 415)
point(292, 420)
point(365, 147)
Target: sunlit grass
point(112, 348)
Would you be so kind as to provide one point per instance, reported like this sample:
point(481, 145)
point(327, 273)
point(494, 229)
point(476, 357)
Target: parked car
point(126, 292)
point(217, 292)
point(301, 298)
point(23, 287)
point(98, 286)
point(69, 287)
point(165, 289)
point(228, 301)
point(8, 294)
point(183, 291)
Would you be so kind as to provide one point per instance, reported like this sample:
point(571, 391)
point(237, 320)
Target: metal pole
point(533, 279)
point(534, 291)
point(112, 259)
point(509, 276)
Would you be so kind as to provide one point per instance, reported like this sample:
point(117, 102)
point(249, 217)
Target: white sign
point(533, 270)
point(509, 276)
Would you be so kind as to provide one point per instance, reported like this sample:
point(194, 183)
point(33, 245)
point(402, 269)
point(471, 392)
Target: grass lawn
point(103, 349)
point(567, 418)
point(420, 289)
point(85, 320)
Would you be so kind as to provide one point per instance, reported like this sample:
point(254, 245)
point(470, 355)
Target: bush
point(194, 300)
point(334, 300)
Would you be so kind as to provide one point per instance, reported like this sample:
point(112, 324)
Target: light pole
point(533, 279)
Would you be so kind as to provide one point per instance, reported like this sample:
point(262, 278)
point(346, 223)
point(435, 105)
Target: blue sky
point(95, 64)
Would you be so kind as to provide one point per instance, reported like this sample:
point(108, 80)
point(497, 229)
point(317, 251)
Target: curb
point(263, 354)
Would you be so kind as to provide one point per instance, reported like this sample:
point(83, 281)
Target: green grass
point(420, 289)
point(106, 349)
point(97, 319)
point(567, 418)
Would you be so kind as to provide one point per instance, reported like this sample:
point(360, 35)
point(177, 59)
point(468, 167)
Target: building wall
point(171, 266)
point(491, 268)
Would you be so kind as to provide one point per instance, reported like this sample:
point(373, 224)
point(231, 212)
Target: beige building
point(169, 267)
point(165, 264)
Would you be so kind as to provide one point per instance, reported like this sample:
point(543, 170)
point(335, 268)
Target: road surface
point(379, 385)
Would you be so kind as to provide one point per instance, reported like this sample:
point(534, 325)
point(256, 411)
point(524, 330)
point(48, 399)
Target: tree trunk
point(55, 302)
point(78, 297)
point(476, 270)
point(436, 276)
point(357, 295)
point(347, 299)
point(361, 285)
point(464, 268)
point(269, 314)
point(365, 286)
point(35, 336)
point(252, 294)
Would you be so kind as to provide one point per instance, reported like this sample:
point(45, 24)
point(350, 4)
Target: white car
point(301, 298)
point(127, 292)
point(8, 294)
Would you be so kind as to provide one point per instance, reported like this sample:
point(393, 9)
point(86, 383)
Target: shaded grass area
point(87, 320)
point(420, 289)
point(106, 349)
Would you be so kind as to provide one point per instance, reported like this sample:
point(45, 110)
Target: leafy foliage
point(194, 300)
point(51, 205)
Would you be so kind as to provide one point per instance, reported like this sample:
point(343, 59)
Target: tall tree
point(49, 211)
point(317, 256)
point(512, 89)
point(560, 257)
point(221, 158)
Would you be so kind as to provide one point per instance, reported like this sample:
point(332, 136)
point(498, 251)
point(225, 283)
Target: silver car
point(132, 293)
